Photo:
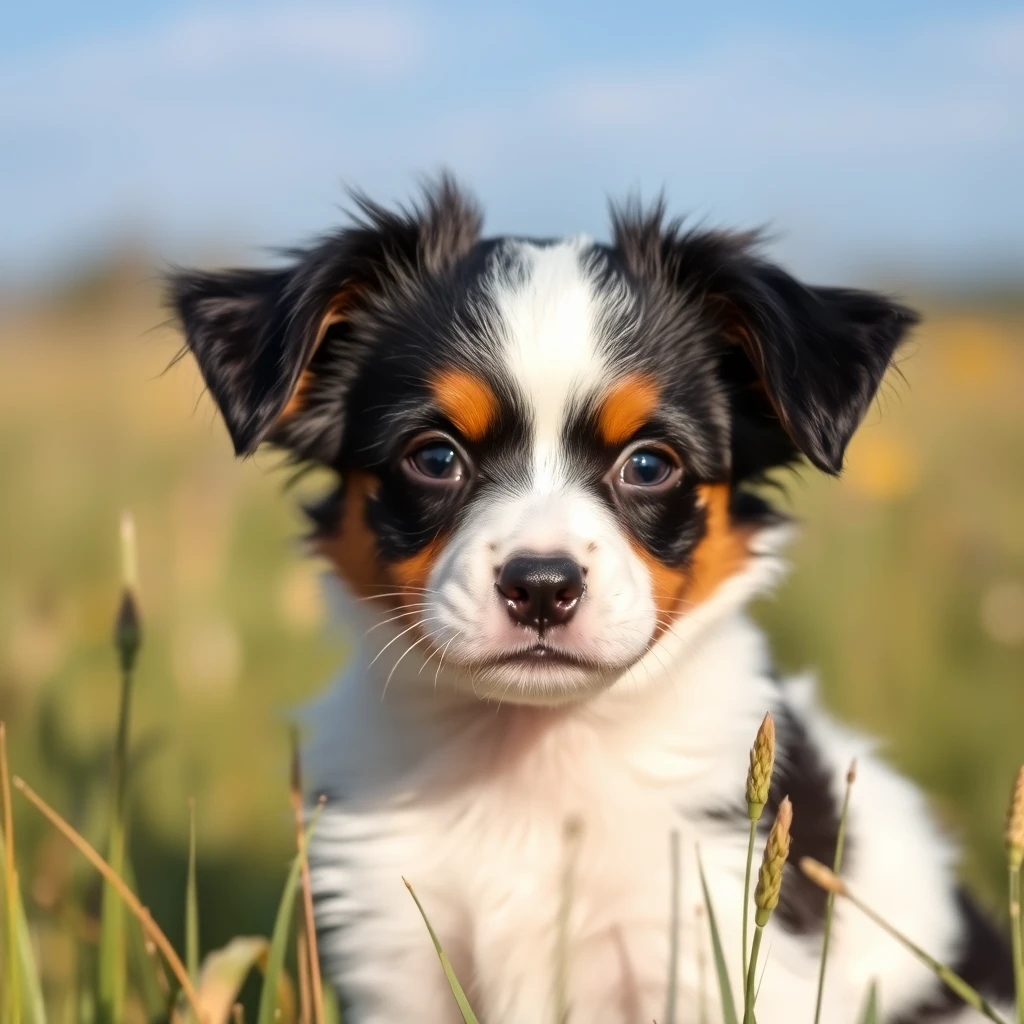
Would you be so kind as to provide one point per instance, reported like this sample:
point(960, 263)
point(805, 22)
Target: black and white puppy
point(545, 539)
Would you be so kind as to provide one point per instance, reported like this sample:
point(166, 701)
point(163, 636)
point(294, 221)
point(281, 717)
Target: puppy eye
point(436, 461)
point(649, 468)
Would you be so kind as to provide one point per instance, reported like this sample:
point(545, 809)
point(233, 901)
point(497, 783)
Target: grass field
point(907, 596)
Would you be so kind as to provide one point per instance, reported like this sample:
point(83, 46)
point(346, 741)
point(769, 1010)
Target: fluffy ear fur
point(818, 356)
point(279, 348)
point(802, 363)
point(234, 325)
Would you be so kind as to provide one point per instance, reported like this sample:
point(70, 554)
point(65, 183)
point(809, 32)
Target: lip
point(543, 654)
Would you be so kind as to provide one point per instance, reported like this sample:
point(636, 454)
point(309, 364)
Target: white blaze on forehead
point(549, 313)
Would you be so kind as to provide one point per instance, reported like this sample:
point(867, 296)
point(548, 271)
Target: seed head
point(823, 877)
point(127, 631)
point(1015, 824)
point(128, 624)
point(762, 759)
point(129, 552)
point(769, 878)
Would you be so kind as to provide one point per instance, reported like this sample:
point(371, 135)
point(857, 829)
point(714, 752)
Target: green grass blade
point(329, 1001)
point(279, 941)
point(1017, 942)
point(113, 960)
point(752, 985)
point(673, 935)
point(837, 864)
point(823, 877)
point(10, 997)
point(22, 960)
point(870, 1015)
point(192, 900)
point(950, 978)
point(222, 976)
point(571, 833)
point(141, 964)
point(702, 969)
point(112, 964)
point(468, 1016)
point(751, 840)
point(721, 970)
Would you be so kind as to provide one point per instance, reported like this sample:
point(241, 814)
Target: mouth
point(541, 654)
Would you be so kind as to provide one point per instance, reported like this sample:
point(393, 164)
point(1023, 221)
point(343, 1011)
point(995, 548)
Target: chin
point(537, 676)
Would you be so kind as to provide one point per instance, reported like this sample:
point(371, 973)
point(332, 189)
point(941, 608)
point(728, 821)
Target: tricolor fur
point(545, 538)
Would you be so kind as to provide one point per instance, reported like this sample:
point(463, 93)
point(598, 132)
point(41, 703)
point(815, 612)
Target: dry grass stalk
point(303, 970)
point(830, 882)
point(12, 1002)
point(149, 926)
point(823, 877)
point(312, 955)
point(1015, 823)
point(837, 863)
point(1014, 861)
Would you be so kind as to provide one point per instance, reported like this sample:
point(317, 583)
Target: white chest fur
point(503, 816)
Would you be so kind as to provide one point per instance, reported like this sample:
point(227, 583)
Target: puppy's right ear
point(279, 349)
point(235, 325)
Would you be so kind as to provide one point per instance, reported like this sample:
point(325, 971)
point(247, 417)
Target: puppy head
point(541, 447)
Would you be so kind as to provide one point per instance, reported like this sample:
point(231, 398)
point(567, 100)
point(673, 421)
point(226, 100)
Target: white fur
point(479, 785)
point(549, 313)
point(469, 801)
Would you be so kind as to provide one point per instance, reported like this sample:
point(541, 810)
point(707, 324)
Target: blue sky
point(873, 138)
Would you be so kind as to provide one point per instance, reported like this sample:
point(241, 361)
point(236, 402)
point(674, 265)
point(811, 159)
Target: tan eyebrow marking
point(626, 407)
point(467, 400)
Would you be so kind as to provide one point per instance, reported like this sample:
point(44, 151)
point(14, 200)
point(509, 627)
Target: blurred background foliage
point(907, 596)
point(883, 137)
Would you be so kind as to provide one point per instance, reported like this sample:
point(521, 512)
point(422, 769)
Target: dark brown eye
point(436, 461)
point(652, 469)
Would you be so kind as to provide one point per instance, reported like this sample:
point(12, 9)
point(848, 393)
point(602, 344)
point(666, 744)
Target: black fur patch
point(254, 332)
point(984, 963)
point(801, 774)
point(331, 357)
point(801, 363)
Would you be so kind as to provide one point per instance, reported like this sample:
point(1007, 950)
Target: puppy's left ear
point(818, 354)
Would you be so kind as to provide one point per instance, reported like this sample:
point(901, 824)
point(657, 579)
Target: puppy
point(545, 536)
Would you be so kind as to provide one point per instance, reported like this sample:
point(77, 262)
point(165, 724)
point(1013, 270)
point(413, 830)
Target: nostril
point(541, 590)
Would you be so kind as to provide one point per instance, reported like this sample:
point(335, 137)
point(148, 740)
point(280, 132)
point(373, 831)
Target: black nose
point(541, 590)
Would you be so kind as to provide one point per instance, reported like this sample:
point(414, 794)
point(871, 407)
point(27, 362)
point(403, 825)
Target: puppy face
point(541, 447)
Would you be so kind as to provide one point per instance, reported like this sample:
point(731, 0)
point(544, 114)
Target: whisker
point(398, 637)
point(443, 652)
point(394, 667)
point(404, 587)
point(400, 615)
point(399, 593)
